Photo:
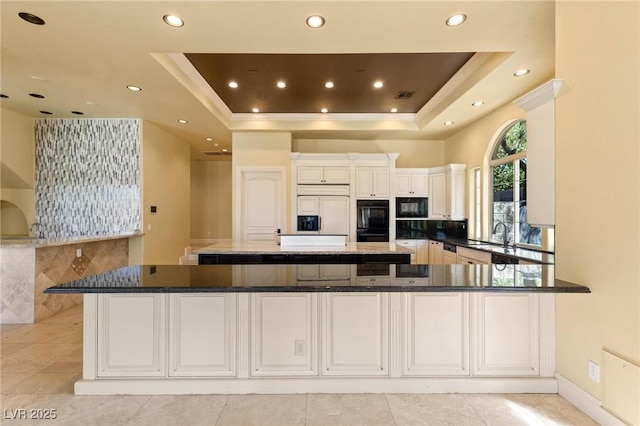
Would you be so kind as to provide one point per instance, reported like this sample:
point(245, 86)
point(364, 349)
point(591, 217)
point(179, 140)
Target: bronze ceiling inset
point(410, 80)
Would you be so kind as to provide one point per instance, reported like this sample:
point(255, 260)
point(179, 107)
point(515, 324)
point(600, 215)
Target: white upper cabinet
point(447, 192)
point(540, 107)
point(372, 182)
point(314, 175)
point(412, 184)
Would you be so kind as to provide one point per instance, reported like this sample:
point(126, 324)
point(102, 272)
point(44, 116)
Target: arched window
point(508, 169)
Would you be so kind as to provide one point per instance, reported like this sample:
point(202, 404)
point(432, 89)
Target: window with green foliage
point(509, 189)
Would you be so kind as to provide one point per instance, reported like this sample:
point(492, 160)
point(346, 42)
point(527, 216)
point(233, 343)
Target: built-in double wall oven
point(411, 218)
point(373, 220)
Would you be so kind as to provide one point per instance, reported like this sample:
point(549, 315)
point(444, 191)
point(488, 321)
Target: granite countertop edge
point(8, 242)
point(320, 289)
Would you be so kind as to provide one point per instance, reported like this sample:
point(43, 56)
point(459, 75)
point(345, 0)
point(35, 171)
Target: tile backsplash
point(87, 179)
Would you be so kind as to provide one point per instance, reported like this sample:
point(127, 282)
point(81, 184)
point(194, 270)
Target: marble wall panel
point(17, 285)
point(87, 178)
point(54, 265)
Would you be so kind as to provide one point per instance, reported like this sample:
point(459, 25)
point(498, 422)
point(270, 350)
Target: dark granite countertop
point(530, 255)
point(254, 279)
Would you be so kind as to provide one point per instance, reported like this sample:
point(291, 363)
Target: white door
point(262, 204)
point(380, 182)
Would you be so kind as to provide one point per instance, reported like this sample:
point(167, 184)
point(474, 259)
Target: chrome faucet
point(505, 236)
point(36, 225)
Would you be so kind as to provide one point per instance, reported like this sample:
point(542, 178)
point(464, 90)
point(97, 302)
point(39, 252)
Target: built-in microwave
point(412, 207)
point(308, 223)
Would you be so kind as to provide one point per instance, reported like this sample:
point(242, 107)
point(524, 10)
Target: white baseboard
point(586, 402)
point(175, 386)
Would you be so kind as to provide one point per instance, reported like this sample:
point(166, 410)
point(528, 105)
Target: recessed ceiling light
point(46, 112)
point(31, 18)
point(457, 19)
point(233, 84)
point(182, 121)
point(77, 112)
point(35, 95)
point(329, 85)
point(378, 84)
point(281, 84)
point(224, 150)
point(324, 110)
point(315, 21)
point(133, 88)
point(3, 96)
point(394, 110)
point(478, 103)
point(37, 77)
point(256, 110)
point(173, 20)
point(448, 123)
point(521, 72)
point(209, 139)
point(216, 144)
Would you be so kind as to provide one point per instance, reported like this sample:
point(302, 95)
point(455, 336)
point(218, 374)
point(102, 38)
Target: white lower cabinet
point(436, 334)
point(131, 336)
point(284, 339)
point(202, 339)
point(355, 333)
point(506, 334)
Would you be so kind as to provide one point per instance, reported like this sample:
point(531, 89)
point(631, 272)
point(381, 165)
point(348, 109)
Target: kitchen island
point(230, 252)
point(302, 328)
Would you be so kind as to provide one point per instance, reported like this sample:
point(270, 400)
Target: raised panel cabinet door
point(403, 184)
point(283, 334)
point(456, 194)
point(505, 333)
point(131, 335)
point(308, 206)
point(355, 337)
point(422, 252)
point(364, 182)
point(336, 175)
point(310, 174)
point(437, 334)
point(381, 187)
point(438, 196)
point(420, 185)
point(435, 252)
point(202, 335)
point(334, 215)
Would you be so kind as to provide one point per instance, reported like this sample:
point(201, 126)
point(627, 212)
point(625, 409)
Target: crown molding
point(540, 95)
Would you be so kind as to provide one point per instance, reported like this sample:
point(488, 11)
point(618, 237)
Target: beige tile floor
point(40, 362)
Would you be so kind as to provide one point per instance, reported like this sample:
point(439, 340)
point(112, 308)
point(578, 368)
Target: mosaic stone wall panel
point(55, 265)
point(87, 179)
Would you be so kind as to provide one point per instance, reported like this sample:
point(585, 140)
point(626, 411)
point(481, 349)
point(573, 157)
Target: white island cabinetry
point(360, 341)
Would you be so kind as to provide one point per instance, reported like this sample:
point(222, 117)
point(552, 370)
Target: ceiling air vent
point(217, 153)
point(404, 94)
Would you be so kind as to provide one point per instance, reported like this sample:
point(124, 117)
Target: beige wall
point(469, 145)
point(165, 184)
point(17, 155)
point(413, 153)
point(598, 184)
point(211, 199)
